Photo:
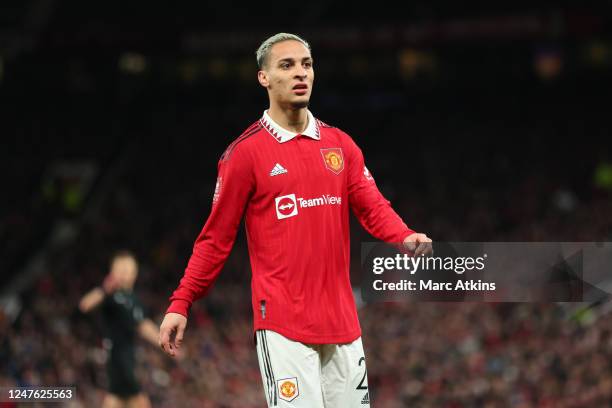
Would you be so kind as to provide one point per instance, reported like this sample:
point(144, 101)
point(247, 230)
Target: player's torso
point(300, 177)
point(298, 235)
point(122, 312)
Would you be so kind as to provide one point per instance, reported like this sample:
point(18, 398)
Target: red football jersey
point(295, 191)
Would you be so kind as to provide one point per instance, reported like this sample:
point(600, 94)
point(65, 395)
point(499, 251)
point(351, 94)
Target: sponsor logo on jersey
point(324, 199)
point(333, 159)
point(288, 389)
point(277, 169)
point(287, 205)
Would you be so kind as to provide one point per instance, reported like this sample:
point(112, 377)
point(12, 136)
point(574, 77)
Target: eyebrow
point(291, 59)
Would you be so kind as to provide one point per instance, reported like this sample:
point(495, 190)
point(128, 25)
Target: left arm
point(149, 331)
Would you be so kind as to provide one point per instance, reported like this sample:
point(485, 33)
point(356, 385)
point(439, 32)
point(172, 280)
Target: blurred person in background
point(124, 318)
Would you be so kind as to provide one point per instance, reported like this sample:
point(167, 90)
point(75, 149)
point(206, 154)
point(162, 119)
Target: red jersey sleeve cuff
point(179, 306)
point(399, 244)
point(401, 236)
point(406, 234)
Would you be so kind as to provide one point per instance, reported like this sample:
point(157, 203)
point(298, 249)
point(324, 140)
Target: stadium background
point(488, 123)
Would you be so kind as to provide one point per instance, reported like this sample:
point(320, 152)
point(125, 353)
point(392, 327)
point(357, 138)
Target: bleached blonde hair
point(264, 49)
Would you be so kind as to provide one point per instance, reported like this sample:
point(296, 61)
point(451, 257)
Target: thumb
point(164, 338)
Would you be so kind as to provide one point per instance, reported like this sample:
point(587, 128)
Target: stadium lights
point(412, 62)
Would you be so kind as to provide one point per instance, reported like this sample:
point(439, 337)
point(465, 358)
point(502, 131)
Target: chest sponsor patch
point(287, 205)
point(333, 159)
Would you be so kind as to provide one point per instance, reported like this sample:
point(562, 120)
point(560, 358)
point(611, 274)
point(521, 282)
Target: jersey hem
point(342, 338)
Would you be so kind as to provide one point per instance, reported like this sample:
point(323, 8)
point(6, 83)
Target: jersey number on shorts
point(365, 373)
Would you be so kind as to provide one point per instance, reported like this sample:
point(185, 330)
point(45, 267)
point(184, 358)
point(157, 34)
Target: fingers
point(107, 284)
point(424, 249)
point(171, 333)
point(420, 244)
point(178, 339)
point(164, 340)
point(410, 246)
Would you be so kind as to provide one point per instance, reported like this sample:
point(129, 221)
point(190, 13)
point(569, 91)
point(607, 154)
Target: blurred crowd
point(418, 354)
point(508, 162)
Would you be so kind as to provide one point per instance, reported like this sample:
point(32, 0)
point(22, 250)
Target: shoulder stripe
point(253, 125)
point(253, 130)
point(245, 135)
point(323, 124)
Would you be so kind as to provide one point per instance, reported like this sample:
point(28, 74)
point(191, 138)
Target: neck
point(292, 119)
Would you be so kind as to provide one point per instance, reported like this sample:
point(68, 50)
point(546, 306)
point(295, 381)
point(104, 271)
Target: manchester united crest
point(333, 159)
point(288, 388)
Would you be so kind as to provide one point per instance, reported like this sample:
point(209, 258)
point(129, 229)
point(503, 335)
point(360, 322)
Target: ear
point(262, 77)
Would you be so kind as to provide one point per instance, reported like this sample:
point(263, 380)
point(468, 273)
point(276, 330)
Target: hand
point(419, 244)
point(110, 284)
point(171, 333)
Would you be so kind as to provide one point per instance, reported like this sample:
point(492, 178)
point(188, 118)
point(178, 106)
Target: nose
point(301, 72)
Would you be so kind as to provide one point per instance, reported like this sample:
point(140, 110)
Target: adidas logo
point(277, 169)
point(366, 399)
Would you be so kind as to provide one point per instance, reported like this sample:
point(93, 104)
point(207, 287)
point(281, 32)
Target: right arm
point(91, 300)
point(235, 184)
point(95, 297)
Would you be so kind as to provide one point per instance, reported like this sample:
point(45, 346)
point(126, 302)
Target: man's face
point(288, 74)
point(124, 270)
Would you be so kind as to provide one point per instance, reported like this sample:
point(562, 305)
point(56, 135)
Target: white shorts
point(302, 375)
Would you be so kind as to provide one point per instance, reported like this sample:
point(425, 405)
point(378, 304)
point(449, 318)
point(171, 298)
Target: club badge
point(288, 389)
point(333, 159)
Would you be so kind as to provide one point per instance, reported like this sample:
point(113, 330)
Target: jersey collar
point(282, 135)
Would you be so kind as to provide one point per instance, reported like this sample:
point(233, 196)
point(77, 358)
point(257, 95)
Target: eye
point(308, 64)
point(284, 65)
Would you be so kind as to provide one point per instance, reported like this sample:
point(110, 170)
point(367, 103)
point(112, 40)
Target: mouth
point(300, 89)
